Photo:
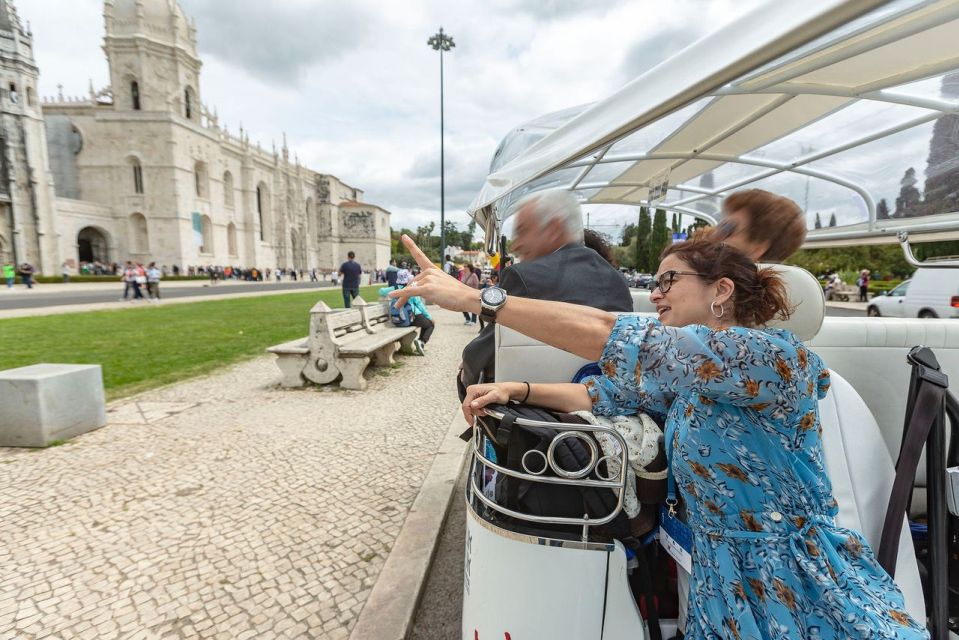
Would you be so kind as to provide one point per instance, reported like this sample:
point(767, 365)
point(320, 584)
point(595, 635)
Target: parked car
point(643, 280)
point(889, 304)
point(931, 293)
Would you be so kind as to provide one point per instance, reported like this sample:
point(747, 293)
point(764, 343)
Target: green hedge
point(73, 278)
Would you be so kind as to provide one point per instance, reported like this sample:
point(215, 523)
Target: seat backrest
point(862, 473)
point(870, 353)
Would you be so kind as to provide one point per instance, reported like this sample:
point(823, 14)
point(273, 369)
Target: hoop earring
point(712, 309)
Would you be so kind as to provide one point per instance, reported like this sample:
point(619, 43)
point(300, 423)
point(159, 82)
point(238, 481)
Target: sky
point(355, 86)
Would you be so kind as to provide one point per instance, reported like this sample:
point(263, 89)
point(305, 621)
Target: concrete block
point(46, 402)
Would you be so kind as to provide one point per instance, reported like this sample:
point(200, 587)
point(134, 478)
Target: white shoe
point(419, 347)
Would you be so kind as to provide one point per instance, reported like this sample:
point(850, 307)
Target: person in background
point(65, 271)
point(403, 276)
point(764, 226)
point(596, 242)
point(391, 273)
point(863, 283)
point(153, 282)
point(448, 265)
point(9, 273)
point(26, 274)
point(471, 280)
point(423, 320)
point(351, 272)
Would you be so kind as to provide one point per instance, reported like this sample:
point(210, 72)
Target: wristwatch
point(492, 300)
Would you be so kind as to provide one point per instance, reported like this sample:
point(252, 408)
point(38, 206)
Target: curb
point(392, 604)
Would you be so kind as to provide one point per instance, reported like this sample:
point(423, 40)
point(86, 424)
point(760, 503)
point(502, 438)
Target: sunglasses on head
point(664, 282)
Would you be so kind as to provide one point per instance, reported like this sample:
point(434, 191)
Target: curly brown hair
point(759, 295)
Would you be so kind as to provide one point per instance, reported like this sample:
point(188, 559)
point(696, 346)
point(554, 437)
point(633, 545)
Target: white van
point(931, 293)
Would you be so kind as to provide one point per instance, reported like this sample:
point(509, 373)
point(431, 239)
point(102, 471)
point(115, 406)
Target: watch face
point(493, 296)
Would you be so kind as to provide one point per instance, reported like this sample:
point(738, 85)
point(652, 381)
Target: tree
point(659, 238)
point(818, 223)
point(882, 210)
point(832, 220)
point(675, 225)
point(643, 231)
point(629, 232)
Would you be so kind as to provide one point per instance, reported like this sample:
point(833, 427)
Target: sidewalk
point(224, 507)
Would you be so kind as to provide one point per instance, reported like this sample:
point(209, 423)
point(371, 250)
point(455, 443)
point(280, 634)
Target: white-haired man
point(548, 239)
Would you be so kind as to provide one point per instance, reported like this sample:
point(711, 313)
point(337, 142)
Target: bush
point(81, 278)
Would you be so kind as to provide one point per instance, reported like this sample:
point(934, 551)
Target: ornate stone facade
point(144, 170)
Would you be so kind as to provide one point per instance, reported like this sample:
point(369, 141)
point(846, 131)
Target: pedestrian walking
point(863, 283)
point(470, 279)
point(65, 270)
point(26, 274)
point(9, 273)
point(391, 272)
point(351, 272)
point(153, 282)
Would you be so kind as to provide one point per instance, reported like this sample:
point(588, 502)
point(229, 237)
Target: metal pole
point(442, 170)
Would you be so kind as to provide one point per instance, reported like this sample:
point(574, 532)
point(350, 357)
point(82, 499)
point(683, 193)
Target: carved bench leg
point(352, 370)
point(406, 343)
point(383, 356)
point(291, 366)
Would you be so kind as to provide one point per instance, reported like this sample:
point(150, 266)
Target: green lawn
point(152, 345)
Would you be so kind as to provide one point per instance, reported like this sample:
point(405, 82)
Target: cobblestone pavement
point(222, 507)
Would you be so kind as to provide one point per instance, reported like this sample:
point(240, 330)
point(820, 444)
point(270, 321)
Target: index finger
point(418, 255)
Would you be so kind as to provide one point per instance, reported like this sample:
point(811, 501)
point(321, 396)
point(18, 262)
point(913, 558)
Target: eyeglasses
point(665, 281)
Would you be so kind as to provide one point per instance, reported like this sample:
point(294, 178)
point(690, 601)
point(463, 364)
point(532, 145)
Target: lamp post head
point(441, 41)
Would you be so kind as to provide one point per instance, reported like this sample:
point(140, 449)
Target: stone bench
point(341, 344)
point(47, 402)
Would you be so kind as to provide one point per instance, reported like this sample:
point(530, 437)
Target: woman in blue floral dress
point(740, 405)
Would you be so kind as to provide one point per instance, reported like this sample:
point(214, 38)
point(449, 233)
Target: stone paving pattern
point(222, 507)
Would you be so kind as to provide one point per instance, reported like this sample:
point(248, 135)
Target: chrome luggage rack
point(579, 477)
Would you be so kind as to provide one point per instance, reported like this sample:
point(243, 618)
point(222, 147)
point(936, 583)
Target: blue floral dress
point(741, 409)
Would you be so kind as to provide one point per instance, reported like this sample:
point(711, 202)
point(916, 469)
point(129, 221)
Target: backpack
point(511, 441)
point(403, 316)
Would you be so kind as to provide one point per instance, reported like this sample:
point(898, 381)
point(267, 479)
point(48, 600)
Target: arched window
point(188, 103)
point(207, 246)
point(228, 189)
point(202, 178)
point(231, 238)
point(263, 209)
point(135, 95)
point(139, 237)
point(14, 96)
point(137, 175)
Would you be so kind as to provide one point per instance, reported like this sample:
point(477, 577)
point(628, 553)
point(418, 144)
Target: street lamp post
point(442, 42)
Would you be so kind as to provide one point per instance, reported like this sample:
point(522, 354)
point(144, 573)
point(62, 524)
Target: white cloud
point(355, 86)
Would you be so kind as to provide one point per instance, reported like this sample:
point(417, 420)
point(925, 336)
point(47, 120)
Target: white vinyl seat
point(859, 463)
point(862, 473)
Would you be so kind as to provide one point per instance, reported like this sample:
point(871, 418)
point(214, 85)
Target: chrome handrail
point(618, 486)
point(903, 237)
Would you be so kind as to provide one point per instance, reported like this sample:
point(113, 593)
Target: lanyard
point(671, 500)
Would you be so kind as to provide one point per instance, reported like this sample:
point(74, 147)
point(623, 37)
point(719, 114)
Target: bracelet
point(526, 397)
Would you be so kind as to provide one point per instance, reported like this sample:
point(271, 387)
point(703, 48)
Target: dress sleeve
point(646, 364)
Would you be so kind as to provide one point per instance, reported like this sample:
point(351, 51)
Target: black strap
point(646, 586)
point(925, 412)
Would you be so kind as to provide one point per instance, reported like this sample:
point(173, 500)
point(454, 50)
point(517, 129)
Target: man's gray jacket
point(573, 273)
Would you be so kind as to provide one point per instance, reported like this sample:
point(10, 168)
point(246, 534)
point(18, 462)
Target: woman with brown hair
point(740, 404)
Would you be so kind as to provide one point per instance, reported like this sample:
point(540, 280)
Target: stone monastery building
point(143, 170)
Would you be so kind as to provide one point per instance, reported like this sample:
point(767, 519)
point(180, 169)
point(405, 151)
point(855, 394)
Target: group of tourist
point(738, 402)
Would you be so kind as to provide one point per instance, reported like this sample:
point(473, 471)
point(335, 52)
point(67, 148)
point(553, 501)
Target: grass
point(152, 345)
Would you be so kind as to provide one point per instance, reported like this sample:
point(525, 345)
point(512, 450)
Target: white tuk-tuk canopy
point(851, 108)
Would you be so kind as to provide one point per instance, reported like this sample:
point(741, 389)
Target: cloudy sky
point(356, 88)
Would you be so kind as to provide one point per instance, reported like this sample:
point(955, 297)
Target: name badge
point(676, 538)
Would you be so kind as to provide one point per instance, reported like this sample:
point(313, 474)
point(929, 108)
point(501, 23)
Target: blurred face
point(687, 297)
point(533, 240)
point(734, 231)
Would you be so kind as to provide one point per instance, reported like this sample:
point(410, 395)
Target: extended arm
point(577, 329)
point(563, 397)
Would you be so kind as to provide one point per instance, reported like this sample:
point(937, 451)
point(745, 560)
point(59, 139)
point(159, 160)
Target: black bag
point(512, 441)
